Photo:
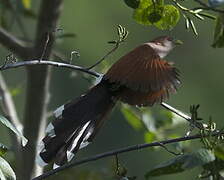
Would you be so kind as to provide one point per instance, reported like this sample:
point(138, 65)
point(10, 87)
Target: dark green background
point(94, 23)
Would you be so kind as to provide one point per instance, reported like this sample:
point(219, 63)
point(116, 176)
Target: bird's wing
point(143, 70)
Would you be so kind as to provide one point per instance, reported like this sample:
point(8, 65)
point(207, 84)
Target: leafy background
point(94, 23)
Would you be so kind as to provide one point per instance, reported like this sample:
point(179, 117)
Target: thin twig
point(104, 57)
point(9, 111)
point(181, 114)
point(45, 46)
point(115, 152)
point(168, 150)
point(91, 72)
point(122, 35)
point(8, 105)
point(45, 62)
point(117, 164)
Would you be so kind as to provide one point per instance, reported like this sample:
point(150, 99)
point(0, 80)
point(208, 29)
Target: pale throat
point(162, 51)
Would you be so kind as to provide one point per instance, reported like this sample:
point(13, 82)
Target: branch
point(38, 82)
point(104, 57)
point(116, 152)
point(8, 105)
point(186, 117)
point(9, 111)
point(122, 35)
point(51, 63)
point(82, 69)
point(13, 44)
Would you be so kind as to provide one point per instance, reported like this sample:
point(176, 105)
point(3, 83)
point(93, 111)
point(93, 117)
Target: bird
point(140, 78)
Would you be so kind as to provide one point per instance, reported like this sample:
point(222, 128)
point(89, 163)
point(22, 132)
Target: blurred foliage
point(26, 3)
point(162, 16)
point(219, 32)
point(166, 16)
point(9, 125)
point(152, 124)
point(6, 172)
point(183, 162)
point(3, 149)
point(215, 3)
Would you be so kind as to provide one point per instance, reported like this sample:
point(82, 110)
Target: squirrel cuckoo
point(140, 78)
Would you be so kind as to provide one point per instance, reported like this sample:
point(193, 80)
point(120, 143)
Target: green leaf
point(132, 118)
point(6, 172)
point(26, 4)
point(141, 16)
point(170, 18)
point(4, 121)
point(15, 91)
point(3, 149)
point(157, 14)
point(182, 163)
point(149, 137)
point(132, 3)
point(145, 4)
point(219, 152)
point(218, 41)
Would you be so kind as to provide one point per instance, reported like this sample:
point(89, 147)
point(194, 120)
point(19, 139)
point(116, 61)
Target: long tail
point(75, 126)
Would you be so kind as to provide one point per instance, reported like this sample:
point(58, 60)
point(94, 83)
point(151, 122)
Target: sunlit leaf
point(141, 16)
point(149, 137)
point(15, 91)
point(131, 117)
point(219, 152)
point(182, 163)
point(26, 3)
point(218, 41)
point(6, 172)
point(156, 14)
point(145, 3)
point(170, 18)
point(142, 13)
point(4, 121)
point(3, 149)
point(160, 15)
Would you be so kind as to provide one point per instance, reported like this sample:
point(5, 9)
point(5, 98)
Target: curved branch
point(116, 152)
point(51, 63)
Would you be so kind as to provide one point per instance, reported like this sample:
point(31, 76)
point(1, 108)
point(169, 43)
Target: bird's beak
point(178, 42)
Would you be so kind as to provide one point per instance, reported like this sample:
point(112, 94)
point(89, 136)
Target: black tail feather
point(75, 126)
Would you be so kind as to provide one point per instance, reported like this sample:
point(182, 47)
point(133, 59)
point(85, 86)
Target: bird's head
point(163, 45)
